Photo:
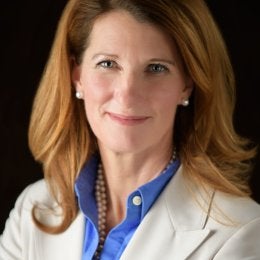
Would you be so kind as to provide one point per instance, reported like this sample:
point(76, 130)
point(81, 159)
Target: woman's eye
point(106, 64)
point(157, 68)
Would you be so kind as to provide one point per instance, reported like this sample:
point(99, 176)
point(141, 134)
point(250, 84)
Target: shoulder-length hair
point(210, 150)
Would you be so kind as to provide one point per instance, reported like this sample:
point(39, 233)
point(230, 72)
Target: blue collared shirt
point(138, 204)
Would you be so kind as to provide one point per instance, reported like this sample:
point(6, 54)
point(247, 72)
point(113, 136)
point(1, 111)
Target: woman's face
point(132, 81)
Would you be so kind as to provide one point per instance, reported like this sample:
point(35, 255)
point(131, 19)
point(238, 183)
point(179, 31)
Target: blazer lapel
point(186, 242)
point(174, 227)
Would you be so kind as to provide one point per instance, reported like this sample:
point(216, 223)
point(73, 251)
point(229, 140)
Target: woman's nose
point(129, 89)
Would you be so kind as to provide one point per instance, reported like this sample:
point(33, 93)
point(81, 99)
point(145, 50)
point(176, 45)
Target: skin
point(132, 81)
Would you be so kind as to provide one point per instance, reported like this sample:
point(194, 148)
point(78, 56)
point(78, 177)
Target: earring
point(185, 102)
point(79, 95)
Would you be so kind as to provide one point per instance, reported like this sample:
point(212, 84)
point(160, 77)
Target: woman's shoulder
point(35, 194)
point(37, 198)
point(240, 209)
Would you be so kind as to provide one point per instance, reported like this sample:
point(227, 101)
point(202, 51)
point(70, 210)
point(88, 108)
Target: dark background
point(26, 32)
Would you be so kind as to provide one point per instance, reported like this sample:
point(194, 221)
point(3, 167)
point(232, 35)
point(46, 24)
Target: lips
point(127, 119)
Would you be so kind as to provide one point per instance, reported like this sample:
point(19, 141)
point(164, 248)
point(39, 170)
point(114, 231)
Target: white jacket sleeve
point(11, 239)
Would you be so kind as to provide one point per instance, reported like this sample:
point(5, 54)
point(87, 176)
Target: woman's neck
point(124, 173)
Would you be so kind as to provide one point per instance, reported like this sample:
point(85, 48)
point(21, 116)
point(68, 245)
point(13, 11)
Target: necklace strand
point(101, 198)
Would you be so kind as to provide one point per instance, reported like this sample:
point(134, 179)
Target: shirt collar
point(85, 185)
point(151, 190)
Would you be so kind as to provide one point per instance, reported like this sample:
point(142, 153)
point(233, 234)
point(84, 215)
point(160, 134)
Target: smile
point(127, 120)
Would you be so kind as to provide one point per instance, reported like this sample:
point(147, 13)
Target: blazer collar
point(188, 204)
point(175, 224)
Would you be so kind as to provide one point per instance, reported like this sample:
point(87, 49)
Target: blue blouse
point(138, 204)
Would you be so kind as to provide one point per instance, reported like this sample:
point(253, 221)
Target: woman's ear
point(75, 74)
point(189, 86)
point(187, 91)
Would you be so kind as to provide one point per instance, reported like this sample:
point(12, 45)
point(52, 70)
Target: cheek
point(96, 88)
point(168, 108)
point(167, 104)
point(168, 97)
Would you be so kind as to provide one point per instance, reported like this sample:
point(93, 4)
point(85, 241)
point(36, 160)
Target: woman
point(144, 162)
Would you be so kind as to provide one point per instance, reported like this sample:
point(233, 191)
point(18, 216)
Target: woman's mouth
point(128, 120)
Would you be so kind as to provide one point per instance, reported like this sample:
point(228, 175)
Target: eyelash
point(162, 68)
point(110, 64)
point(103, 62)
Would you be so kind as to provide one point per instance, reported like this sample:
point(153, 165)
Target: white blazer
point(175, 228)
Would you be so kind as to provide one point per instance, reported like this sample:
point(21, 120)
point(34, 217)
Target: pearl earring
point(79, 95)
point(185, 102)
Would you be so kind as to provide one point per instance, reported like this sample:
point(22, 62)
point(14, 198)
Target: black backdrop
point(26, 32)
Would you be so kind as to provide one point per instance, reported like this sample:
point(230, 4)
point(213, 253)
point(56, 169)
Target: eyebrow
point(104, 54)
point(171, 62)
point(114, 56)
